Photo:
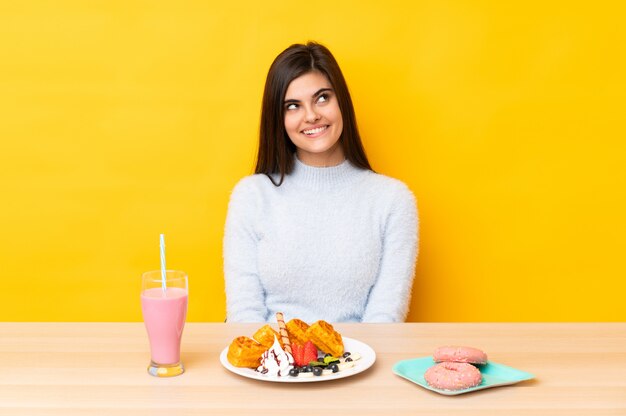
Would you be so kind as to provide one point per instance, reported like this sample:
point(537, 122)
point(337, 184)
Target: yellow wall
point(120, 120)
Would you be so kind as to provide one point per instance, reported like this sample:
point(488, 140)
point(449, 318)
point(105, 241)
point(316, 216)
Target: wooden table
point(100, 369)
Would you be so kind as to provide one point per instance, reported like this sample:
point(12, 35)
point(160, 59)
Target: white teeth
point(314, 131)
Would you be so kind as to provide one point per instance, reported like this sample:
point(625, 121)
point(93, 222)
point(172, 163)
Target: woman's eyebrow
point(317, 93)
point(321, 90)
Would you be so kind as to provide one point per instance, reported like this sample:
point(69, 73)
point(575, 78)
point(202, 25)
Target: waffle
point(265, 336)
point(297, 331)
point(326, 338)
point(245, 352)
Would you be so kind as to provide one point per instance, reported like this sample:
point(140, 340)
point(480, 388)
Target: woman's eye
point(323, 98)
point(292, 106)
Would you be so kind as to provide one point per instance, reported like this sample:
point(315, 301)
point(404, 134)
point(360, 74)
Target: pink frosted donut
point(453, 376)
point(460, 355)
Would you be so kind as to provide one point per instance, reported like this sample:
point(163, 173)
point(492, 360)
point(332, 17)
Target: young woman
point(315, 233)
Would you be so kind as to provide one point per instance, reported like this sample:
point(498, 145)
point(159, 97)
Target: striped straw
point(163, 285)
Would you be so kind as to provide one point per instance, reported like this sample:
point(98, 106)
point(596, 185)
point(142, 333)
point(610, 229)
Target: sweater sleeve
point(390, 296)
point(245, 296)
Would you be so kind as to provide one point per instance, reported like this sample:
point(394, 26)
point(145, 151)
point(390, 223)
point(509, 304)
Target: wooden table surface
point(100, 369)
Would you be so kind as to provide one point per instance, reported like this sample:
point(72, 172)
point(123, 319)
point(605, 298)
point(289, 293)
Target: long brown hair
point(276, 150)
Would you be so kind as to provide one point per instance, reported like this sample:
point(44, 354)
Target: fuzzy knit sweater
point(336, 243)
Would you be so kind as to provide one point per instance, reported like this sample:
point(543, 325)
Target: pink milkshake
point(164, 313)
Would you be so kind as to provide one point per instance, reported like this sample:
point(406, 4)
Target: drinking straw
point(163, 285)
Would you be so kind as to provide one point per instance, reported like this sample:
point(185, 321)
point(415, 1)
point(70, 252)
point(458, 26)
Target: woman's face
point(313, 120)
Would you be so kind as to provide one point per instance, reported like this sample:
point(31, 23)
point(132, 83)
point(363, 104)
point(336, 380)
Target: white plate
point(368, 357)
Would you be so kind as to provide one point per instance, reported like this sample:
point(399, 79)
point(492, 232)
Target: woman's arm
point(390, 296)
point(245, 297)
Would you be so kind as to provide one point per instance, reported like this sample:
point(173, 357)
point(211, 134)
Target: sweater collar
point(324, 178)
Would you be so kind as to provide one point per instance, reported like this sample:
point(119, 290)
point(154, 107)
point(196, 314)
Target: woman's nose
point(311, 116)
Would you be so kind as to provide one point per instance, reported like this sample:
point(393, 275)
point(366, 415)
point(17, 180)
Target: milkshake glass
point(164, 311)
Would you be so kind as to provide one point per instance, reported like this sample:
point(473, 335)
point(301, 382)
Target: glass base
point(165, 370)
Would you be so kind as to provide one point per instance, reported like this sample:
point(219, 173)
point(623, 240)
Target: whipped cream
point(276, 361)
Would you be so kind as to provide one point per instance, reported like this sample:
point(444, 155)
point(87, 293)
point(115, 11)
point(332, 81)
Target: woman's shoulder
point(386, 185)
point(249, 193)
point(257, 182)
point(392, 195)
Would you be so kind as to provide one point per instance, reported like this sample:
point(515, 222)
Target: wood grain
point(100, 368)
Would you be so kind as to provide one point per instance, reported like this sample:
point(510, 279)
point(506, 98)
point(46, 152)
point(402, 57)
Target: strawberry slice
point(309, 353)
point(297, 351)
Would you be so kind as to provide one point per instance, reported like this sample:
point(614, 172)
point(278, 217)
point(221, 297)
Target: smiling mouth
point(314, 131)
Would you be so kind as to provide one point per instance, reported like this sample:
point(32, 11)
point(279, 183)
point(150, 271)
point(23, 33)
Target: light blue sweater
point(336, 243)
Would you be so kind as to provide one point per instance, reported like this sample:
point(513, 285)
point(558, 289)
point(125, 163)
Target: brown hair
point(276, 151)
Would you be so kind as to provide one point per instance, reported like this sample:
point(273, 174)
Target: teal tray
point(494, 375)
